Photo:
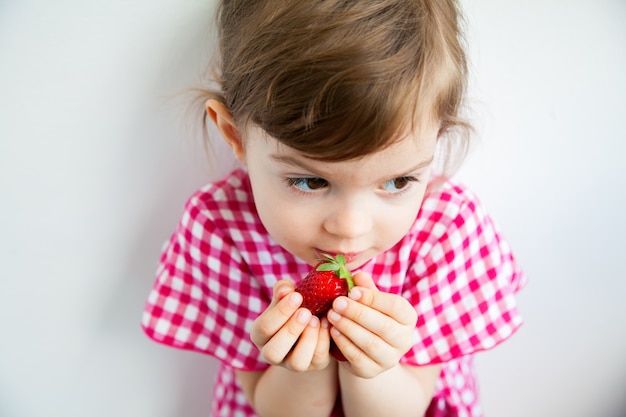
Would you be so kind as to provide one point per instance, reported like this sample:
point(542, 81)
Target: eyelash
point(409, 183)
point(294, 183)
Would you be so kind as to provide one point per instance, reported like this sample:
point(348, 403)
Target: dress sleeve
point(204, 298)
point(464, 286)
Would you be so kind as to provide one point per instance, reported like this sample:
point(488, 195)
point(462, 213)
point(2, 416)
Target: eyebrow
point(422, 164)
point(296, 162)
point(292, 161)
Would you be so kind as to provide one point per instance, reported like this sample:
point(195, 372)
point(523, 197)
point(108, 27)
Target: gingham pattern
point(217, 272)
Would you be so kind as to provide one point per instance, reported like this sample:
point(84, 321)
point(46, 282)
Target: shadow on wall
point(620, 410)
point(153, 208)
point(162, 206)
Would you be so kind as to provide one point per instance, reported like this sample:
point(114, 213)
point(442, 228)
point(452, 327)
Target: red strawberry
point(330, 279)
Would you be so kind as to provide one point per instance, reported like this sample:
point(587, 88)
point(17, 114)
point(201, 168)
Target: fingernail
point(340, 304)
point(333, 316)
point(325, 323)
point(294, 299)
point(314, 322)
point(304, 316)
point(355, 293)
point(282, 291)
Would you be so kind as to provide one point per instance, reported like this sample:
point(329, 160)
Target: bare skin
point(372, 329)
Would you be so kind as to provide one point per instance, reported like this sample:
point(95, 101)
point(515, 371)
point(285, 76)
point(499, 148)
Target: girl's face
point(358, 208)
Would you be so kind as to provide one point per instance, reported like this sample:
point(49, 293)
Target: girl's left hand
point(372, 329)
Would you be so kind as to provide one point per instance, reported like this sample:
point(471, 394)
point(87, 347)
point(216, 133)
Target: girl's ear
point(226, 125)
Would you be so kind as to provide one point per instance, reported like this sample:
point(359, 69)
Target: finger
point(366, 342)
point(364, 279)
point(366, 292)
point(281, 289)
point(373, 331)
point(362, 364)
point(276, 349)
point(391, 305)
point(363, 316)
point(303, 352)
point(321, 355)
point(275, 317)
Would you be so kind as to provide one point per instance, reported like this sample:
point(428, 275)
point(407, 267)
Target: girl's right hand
point(290, 336)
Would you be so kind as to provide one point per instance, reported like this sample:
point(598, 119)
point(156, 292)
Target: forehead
point(413, 150)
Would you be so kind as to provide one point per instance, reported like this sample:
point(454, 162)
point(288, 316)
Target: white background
point(97, 159)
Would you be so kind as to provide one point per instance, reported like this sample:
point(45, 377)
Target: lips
point(350, 256)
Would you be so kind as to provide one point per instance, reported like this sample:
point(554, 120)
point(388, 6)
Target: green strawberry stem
point(338, 265)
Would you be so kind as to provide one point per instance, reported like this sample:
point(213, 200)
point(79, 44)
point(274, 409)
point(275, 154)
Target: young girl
point(338, 111)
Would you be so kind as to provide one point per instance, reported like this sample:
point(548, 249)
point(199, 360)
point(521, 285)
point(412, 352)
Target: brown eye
point(399, 184)
point(308, 184)
point(316, 183)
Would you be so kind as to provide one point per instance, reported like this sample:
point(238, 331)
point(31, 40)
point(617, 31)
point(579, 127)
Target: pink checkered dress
point(217, 272)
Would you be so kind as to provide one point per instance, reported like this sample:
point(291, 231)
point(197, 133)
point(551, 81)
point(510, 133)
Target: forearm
point(281, 392)
point(399, 391)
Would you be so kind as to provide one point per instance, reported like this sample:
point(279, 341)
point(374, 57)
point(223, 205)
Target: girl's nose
point(349, 219)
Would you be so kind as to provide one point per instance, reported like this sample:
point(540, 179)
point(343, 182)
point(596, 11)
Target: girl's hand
point(372, 329)
point(290, 336)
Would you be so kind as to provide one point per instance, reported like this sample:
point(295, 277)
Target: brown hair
point(340, 79)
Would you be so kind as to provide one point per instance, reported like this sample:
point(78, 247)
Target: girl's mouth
point(350, 256)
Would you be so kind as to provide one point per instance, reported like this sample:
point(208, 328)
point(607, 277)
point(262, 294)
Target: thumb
point(365, 280)
point(281, 289)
